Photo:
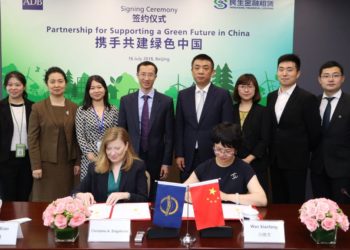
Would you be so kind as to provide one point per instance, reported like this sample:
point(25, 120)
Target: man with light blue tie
point(199, 109)
point(330, 165)
point(148, 116)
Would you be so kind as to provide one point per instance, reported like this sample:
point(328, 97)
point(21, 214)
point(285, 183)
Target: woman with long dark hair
point(92, 119)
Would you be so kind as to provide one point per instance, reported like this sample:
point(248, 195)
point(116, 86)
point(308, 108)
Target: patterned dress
point(90, 130)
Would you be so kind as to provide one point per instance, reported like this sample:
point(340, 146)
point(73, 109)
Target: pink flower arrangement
point(65, 212)
point(323, 213)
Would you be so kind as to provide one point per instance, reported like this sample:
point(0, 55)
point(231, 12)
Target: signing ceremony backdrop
point(110, 37)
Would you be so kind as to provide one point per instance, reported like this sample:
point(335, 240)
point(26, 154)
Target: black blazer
point(133, 181)
point(333, 153)
point(297, 133)
point(160, 138)
point(255, 133)
point(6, 127)
point(218, 108)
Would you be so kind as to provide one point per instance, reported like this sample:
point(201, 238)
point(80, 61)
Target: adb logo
point(32, 4)
point(220, 4)
point(169, 205)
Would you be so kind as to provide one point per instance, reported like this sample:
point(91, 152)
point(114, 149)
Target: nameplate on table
point(109, 230)
point(8, 232)
point(264, 231)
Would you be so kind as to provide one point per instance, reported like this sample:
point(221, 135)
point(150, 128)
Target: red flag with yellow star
point(206, 202)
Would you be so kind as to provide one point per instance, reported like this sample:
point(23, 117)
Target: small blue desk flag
point(168, 208)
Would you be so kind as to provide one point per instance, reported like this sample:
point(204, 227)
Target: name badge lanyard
point(20, 148)
point(100, 123)
point(100, 126)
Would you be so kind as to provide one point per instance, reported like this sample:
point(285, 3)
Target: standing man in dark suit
point(330, 168)
point(148, 116)
point(199, 108)
point(295, 131)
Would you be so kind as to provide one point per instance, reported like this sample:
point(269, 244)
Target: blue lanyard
point(100, 123)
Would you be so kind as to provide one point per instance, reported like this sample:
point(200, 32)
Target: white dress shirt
point(141, 102)
point(198, 97)
point(282, 99)
point(333, 103)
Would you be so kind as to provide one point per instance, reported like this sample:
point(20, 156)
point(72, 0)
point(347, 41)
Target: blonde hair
point(103, 164)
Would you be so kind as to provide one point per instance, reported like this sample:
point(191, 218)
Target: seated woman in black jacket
point(117, 175)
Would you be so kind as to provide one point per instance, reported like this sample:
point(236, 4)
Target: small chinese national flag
point(207, 204)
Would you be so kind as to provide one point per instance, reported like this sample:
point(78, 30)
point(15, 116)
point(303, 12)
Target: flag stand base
point(162, 232)
point(216, 232)
point(187, 240)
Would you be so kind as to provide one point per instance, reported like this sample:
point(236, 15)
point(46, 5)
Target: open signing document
point(132, 211)
point(230, 211)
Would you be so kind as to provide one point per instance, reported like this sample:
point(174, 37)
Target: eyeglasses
point(149, 75)
point(224, 151)
point(329, 76)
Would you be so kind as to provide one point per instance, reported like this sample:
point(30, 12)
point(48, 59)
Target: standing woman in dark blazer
point(254, 121)
point(15, 173)
point(53, 149)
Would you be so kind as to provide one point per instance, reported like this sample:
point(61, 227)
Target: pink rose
point(336, 217)
point(333, 206)
point(328, 224)
point(60, 221)
point(71, 207)
point(311, 210)
point(77, 220)
point(311, 224)
point(323, 207)
point(82, 208)
point(48, 220)
point(303, 217)
point(64, 200)
point(320, 216)
point(344, 224)
point(60, 208)
point(50, 209)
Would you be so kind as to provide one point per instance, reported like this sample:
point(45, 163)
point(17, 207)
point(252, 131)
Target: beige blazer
point(43, 134)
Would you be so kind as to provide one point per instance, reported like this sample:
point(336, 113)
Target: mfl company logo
point(220, 4)
point(32, 4)
point(244, 4)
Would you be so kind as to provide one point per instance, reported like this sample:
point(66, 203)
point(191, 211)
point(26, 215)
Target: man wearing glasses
point(330, 168)
point(295, 132)
point(148, 116)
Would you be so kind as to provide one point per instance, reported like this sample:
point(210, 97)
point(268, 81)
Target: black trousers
point(288, 185)
point(16, 178)
point(331, 188)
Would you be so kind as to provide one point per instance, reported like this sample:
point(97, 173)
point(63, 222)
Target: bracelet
point(237, 198)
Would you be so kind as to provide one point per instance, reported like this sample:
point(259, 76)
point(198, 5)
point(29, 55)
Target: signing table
point(37, 236)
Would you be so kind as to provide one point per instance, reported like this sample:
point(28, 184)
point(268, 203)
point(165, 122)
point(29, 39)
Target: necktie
point(144, 124)
point(200, 104)
point(327, 113)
